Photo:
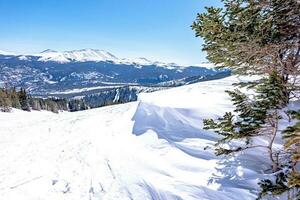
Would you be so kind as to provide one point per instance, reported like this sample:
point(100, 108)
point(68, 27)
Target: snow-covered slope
point(150, 149)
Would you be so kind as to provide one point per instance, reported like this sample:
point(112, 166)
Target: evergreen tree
point(35, 104)
point(77, 105)
point(52, 106)
point(255, 117)
point(5, 101)
point(292, 145)
point(15, 99)
point(259, 117)
point(23, 98)
point(256, 37)
point(274, 187)
point(252, 36)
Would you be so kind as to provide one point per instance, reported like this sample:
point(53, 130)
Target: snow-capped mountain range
point(89, 72)
point(87, 55)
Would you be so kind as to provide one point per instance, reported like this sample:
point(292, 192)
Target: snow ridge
point(154, 149)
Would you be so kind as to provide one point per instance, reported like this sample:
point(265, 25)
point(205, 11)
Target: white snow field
point(151, 149)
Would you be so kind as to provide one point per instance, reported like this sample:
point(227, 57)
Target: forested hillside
point(12, 98)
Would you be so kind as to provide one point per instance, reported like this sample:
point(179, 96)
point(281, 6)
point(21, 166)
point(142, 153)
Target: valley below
point(96, 77)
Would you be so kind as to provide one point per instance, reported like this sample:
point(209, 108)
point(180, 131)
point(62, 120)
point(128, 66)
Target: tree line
point(20, 99)
point(259, 38)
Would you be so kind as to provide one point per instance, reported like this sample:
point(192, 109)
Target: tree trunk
point(286, 92)
point(270, 146)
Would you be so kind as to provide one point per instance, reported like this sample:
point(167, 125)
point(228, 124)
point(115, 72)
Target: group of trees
point(259, 37)
point(11, 98)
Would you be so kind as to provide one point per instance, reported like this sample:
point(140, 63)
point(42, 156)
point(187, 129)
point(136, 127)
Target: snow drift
point(151, 149)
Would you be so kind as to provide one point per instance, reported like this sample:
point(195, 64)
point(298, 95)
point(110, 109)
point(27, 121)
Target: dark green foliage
point(291, 136)
point(251, 114)
point(292, 139)
point(294, 180)
point(255, 116)
point(11, 98)
point(292, 114)
point(77, 105)
point(223, 151)
point(35, 104)
point(257, 37)
point(24, 100)
point(248, 85)
point(252, 36)
point(52, 104)
point(5, 101)
point(272, 92)
point(277, 187)
point(225, 126)
point(15, 99)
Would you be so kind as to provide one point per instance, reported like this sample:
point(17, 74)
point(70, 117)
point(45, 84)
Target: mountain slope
point(151, 149)
point(50, 71)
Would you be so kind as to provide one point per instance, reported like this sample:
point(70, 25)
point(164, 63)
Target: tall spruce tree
point(24, 101)
point(256, 37)
point(292, 145)
point(5, 101)
point(34, 103)
point(15, 99)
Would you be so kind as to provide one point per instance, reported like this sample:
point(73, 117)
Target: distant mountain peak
point(91, 55)
point(49, 51)
point(142, 60)
point(84, 55)
point(6, 53)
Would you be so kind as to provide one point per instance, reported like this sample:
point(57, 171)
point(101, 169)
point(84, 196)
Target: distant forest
point(19, 99)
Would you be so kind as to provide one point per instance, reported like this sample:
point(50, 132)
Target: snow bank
point(151, 149)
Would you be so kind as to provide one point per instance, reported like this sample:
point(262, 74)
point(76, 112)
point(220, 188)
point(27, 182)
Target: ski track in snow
point(150, 149)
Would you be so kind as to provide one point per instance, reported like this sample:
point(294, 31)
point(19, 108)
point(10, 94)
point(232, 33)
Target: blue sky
point(156, 29)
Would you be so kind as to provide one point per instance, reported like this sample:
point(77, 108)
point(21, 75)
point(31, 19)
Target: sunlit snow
point(151, 149)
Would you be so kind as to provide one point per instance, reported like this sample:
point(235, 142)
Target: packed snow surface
point(151, 149)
